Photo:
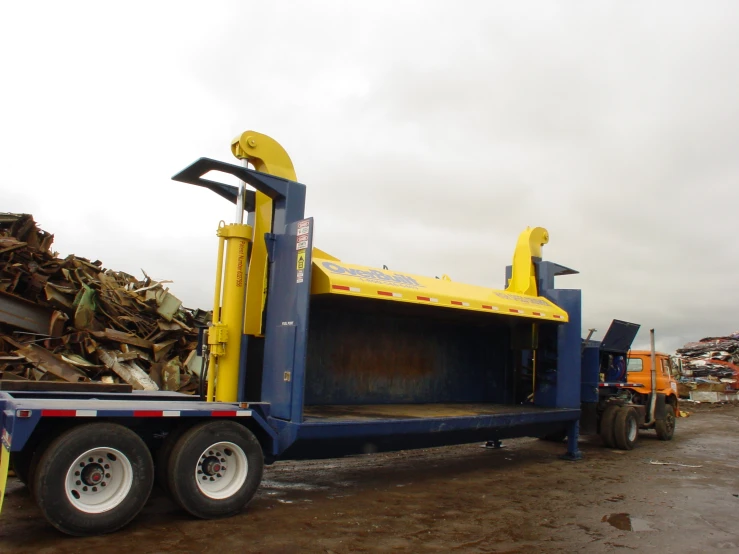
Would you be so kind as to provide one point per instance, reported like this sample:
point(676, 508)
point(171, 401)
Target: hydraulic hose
point(203, 376)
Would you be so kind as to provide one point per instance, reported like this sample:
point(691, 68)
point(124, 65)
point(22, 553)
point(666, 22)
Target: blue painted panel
point(566, 392)
point(590, 370)
point(279, 370)
point(287, 322)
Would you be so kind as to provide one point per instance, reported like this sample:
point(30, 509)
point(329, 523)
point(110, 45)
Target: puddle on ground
point(281, 485)
point(625, 522)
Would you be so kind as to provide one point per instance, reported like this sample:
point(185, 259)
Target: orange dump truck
point(620, 392)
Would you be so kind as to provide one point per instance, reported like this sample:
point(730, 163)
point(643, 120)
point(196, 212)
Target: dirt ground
point(521, 498)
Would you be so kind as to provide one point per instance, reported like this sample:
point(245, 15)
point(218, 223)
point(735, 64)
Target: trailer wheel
point(161, 464)
point(666, 427)
point(215, 469)
point(626, 428)
point(25, 465)
point(607, 421)
point(93, 479)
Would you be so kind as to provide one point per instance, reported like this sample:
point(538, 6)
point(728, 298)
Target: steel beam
point(26, 315)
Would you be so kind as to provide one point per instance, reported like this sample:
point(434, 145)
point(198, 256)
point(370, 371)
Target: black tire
point(192, 453)
point(666, 427)
point(132, 467)
point(162, 457)
point(607, 425)
point(626, 428)
point(26, 463)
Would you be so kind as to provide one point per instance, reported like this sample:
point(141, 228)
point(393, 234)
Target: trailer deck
point(334, 430)
point(365, 412)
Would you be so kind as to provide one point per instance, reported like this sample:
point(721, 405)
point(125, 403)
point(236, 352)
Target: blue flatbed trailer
point(90, 457)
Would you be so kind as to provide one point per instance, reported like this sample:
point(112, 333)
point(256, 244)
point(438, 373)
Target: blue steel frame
point(280, 411)
point(21, 412)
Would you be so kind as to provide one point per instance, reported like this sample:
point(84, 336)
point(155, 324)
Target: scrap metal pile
point(73, 320)
point(712, 364)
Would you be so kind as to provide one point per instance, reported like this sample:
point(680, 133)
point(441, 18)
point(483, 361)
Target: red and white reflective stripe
point(344, 287)
point(540, 314)
point(69, 413)
point(427, 299)
point(460, 303)
point(388, 293)
point(516, 311)
point(486, 307)
point(557, 316)
point(144, 413)
point(150, 413)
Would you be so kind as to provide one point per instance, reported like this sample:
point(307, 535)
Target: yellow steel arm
point(523, 275)
point(267, 156)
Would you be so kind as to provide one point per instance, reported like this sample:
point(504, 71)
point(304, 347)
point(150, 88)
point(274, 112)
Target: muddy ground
point(521, 498)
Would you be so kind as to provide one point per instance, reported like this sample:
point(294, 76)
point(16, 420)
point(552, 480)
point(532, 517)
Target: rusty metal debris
point(71, 320)
point(710, 369)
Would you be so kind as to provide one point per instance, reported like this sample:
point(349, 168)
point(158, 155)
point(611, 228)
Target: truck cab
point(639, 368)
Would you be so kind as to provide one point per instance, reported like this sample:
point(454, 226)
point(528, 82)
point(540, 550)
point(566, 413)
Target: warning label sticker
point(301, 260)
point(302, 238)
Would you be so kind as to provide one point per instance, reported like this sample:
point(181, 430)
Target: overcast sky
point(429, 134)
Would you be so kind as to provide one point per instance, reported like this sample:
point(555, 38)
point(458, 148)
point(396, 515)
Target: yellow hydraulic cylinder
point(224, 336)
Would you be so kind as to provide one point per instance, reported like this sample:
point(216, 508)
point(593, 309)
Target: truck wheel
point(93, 479)
point(163, 454)
point(666, 427)
point(607, 424)
point(626, 428)
point(25, 465)
point(215, 469)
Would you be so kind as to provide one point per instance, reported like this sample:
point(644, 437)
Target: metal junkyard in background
point(73, 320)
point(710, 369)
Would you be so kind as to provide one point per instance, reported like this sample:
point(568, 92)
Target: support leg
point(573, 433)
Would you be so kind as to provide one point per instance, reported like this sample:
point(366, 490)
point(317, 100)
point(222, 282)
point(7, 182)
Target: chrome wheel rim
point(633, 430)
point(221, 470)
point(99, 480)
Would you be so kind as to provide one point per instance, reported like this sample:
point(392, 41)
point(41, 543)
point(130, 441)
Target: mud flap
point(4, 467)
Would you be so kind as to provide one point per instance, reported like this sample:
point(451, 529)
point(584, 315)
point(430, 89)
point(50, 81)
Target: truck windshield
point(634, 364)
